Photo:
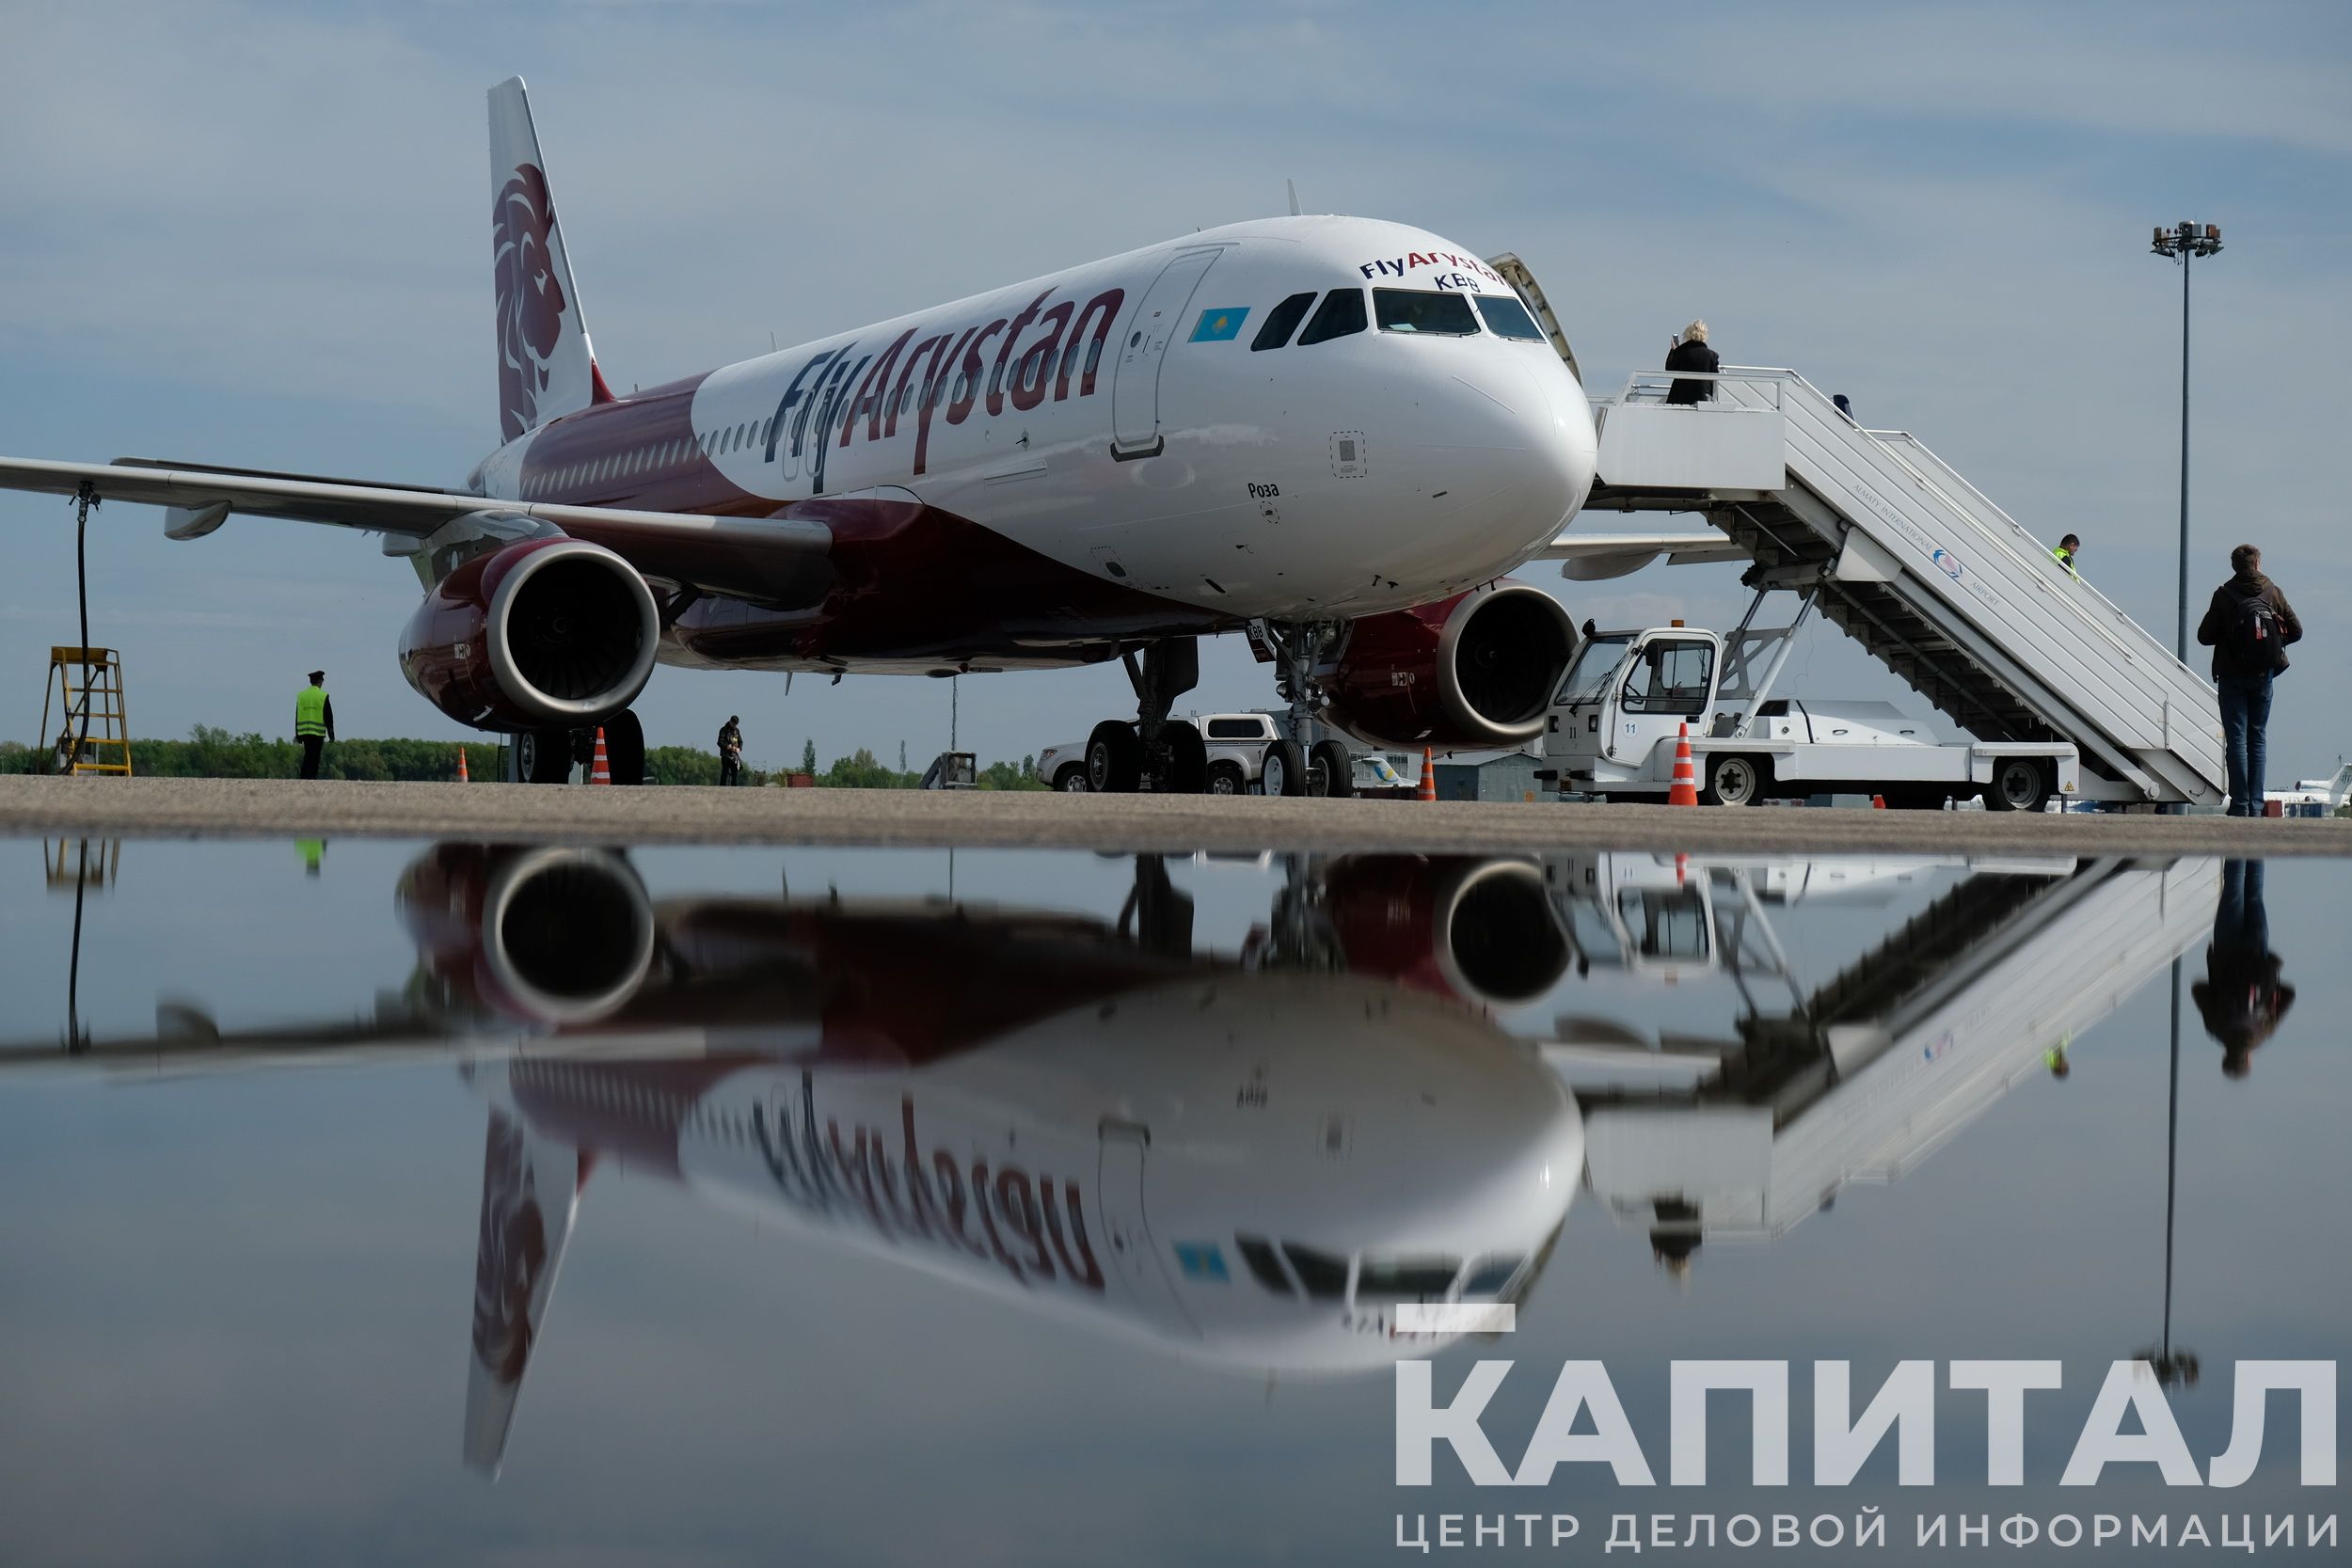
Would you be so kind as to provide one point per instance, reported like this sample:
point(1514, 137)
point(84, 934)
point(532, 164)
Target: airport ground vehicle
point(1238, 748)
point(1630, 695)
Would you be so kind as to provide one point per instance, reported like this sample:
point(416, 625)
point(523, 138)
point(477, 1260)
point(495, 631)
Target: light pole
point(2180, 243)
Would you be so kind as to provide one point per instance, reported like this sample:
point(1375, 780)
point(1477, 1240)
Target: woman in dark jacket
point(1691, 353)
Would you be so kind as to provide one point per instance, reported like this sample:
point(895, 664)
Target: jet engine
point(549, 936)
point(1473, 671)
point(543, 633)
point(1474, 929)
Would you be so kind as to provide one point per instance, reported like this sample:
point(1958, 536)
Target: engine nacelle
point(1477, 929)
point(1474, 671)
point(550, 936)
point(543, 633)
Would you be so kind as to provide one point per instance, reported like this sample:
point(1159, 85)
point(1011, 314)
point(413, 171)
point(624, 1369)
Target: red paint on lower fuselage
point(903, 584)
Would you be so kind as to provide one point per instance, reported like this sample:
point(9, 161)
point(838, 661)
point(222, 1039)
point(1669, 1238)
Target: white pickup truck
point(1237, 743)
point(1629, 694)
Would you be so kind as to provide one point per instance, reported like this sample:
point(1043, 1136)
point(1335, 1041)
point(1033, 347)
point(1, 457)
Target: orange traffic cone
point(600, 771)
point(1684, 791)
point(463, 777)
point(1877, 802)
point(1428, 790)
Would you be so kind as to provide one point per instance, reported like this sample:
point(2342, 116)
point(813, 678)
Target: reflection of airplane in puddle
point(1860, 1078)
point(1251, 1166)
point(1251, 1163)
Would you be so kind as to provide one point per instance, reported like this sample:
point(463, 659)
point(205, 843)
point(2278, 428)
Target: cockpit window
point(1323, 1276)
point(1594, 662)
point(1340, 314)
point(1488, 1278)
point(1412, 310)
point(1507, 318)
point(1281, 321)
point(1264, 1267)
point(1405, 1279)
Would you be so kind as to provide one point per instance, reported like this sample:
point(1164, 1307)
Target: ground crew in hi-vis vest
point(314, 722)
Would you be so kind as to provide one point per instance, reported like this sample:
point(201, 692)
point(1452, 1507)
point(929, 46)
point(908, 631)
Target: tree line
point(211, 753)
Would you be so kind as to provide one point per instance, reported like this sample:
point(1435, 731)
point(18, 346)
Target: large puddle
point(451, 1202)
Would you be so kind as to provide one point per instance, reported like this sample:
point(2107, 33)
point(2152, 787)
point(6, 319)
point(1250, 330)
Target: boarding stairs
point(1913, 561)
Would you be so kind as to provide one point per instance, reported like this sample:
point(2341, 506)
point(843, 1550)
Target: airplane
point(1249, 1164)
point(1336, 434)
point(2329, 794)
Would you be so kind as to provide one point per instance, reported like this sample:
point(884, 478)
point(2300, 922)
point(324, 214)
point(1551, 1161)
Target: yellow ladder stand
point(101, 735)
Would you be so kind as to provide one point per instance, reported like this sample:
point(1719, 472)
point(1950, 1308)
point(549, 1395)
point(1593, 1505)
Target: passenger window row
point(1438, 312)
point(718, 443)
point(647, 459)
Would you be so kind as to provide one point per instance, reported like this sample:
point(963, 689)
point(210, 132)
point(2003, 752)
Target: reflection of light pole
point(2171, 1368)
point(2180, 243)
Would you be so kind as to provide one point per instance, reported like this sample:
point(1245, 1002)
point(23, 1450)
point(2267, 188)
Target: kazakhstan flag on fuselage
point(1217, 326)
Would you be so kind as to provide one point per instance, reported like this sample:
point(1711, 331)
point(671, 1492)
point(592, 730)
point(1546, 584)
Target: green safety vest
point(309, 712)
point(2064, 559)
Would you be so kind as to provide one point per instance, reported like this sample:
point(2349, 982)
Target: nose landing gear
point(1302, 764)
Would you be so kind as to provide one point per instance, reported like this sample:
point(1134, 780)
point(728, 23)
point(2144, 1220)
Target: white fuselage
point(1150, 445)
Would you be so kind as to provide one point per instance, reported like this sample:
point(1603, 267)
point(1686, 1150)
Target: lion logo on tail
point(531, 302)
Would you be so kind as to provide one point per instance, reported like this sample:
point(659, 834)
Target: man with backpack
point(2247, 626)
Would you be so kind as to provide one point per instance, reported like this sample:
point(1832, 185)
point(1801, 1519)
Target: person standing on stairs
point(1691, 353)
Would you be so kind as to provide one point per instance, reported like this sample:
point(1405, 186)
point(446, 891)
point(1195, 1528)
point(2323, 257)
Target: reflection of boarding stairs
point(1942, 587)
point(94, 726)
point(1883, 1064)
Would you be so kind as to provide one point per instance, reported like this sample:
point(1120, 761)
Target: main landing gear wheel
point(1225, 778)
point(1188, 759)
point(2017, 785)
point(1285, 772)
point(1114, 758)
point(1732, 781)
point(624, 748)
point(1331, 770)
point(1072, 779)
point(542, 756)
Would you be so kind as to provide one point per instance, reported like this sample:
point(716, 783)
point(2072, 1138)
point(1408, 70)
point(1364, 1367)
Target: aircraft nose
point(1561, 440)
point(1543, 445)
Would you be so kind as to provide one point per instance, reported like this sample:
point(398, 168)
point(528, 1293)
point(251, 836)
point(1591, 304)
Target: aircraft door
point(1133, 1258)
point(1136, 382)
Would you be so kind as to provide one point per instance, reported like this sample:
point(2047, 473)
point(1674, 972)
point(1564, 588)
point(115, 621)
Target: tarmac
point(31, 806)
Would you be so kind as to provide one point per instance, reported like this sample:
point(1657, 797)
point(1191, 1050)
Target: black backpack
point(2256, 636)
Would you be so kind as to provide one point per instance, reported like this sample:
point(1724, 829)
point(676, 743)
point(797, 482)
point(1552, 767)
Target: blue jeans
point(2245, 715)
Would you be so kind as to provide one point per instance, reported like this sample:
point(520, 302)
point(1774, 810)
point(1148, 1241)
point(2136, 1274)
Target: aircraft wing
point(1585, 557)
point(200, 497)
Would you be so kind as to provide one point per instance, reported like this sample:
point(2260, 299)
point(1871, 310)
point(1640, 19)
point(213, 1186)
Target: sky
point(253, 234)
